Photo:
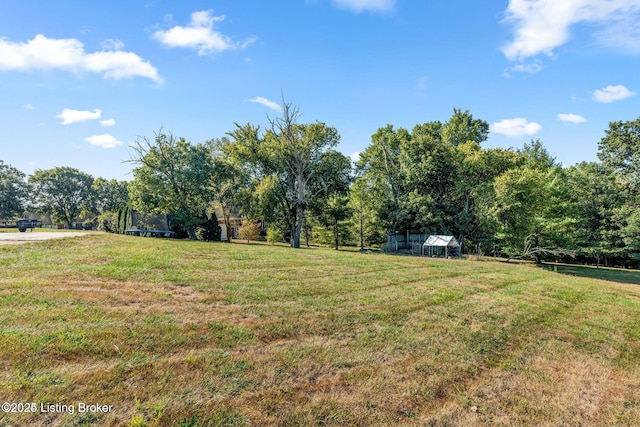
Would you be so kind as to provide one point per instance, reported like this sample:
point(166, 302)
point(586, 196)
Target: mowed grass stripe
point(192, 333)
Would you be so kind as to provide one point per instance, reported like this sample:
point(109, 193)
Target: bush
point(274, 234)
point(249, 231)
point(108, 221)
point(90, 224)
point(208, 229)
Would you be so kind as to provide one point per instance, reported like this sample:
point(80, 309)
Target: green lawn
point(206, 334)
point(603, 273)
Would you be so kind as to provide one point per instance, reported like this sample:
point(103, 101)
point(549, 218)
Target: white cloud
point(108, 122)
point(358, 6)
point(571, 118)
point(70, 116)
point(622, 34)
point(68, 54)
point(200, 34)
point(515, 127)
point(355, 156)
point(28, 107)
point(104, 141)
point(112, 44)
point(540, 26)
point(532, 68)
point(267, 103)
point(612, 94)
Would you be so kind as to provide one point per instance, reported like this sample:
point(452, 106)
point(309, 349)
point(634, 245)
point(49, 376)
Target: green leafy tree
point(536, 156)
point(110, 195)
point(597, 199)
point(334, 212)
point(417, 179)
point(230, 180)
point(173, 177)
point(473, 193)
point(379, 168)
point(462, 128)
point(367, 229)
point(13, 191)
point(519, 198)
point(299, 149)
point(274, 234)
point(291, 158)
point(619, 150)
point(430, 168)
point(64, 192)
point(532, 203)
point(330, 188)
point(589, 183)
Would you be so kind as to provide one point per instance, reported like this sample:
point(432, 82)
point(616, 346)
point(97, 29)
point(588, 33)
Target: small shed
point(437, 245)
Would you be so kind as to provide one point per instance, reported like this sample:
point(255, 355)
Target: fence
point(406, 241)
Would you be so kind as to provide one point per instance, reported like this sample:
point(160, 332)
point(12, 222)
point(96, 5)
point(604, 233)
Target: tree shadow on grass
point(603, 273)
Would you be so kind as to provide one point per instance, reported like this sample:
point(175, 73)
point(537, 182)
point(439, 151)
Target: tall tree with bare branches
point(293, 158)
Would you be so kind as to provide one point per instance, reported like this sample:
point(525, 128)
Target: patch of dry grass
point(198, 334)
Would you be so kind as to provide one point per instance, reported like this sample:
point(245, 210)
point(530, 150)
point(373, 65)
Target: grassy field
point(182, 333)
point(604, 273)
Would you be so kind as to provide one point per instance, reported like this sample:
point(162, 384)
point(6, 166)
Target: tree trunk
point(335, 233)
point(68, 219)
point(307, 232)
point(300, 194)
point(191, 232)
point(298, 229)
point(227, 224)
point(226, 214)
point(361, 231)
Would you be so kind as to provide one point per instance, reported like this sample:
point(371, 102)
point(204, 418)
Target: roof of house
point(437, 240)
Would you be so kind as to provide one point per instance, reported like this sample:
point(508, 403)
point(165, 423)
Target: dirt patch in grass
point(539, 390)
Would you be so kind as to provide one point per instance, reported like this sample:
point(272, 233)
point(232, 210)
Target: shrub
point(249, 231)
point(274, 234)
point(208, 229)
point(108, 221)
point(90, 224)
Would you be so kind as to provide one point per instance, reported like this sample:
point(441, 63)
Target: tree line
point(435, 178)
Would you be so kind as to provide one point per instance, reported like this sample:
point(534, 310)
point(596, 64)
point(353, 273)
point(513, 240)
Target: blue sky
point(80, 81)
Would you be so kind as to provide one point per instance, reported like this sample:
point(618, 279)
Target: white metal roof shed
point(436, 243)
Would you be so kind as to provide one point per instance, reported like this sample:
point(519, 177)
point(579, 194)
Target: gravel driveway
point(36, 236)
